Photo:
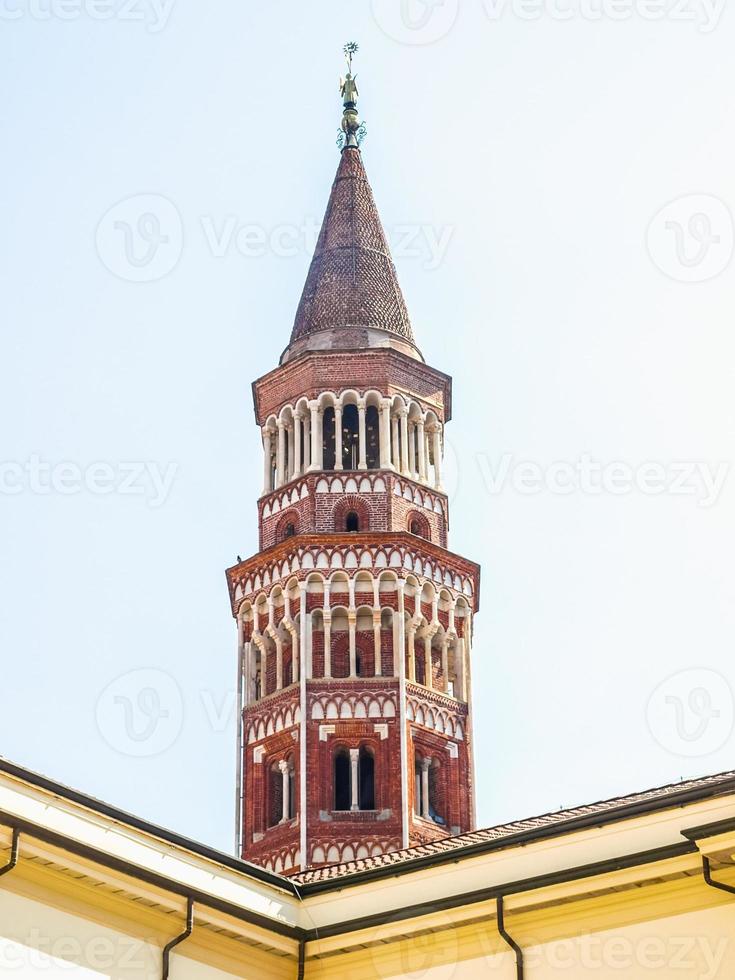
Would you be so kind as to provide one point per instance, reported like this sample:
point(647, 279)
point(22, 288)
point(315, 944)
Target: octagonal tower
point(354, 619)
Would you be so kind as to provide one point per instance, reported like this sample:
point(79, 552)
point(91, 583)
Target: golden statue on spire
point(353, 131)
point(348, 85)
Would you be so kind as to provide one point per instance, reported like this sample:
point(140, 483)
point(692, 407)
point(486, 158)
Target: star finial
point(353, 131)
point(352, 47)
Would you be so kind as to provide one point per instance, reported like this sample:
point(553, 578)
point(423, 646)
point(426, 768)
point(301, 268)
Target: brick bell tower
point(354, 619)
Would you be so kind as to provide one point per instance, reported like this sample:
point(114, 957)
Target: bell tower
point(354, 619)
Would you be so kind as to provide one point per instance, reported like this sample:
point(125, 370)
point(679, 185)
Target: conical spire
point(351, 298)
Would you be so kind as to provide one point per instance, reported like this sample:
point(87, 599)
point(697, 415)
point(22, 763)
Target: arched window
point(418, 788)
point(343, 786)
point(372, 437)
point(328, 438)
point(428, 798)
point(351, 514)
point(436, 795)
point(366, 779)
point(350, 437)
point(342, 790)
point(418, 525)
point(287, 525)
point(275, 795)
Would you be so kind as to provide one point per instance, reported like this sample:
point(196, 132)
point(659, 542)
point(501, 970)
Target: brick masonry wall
point(452, 780)
point(328, 827)
point(387, 371)
point(324, 513)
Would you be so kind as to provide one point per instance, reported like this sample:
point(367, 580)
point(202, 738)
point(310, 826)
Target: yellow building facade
point(641, 886)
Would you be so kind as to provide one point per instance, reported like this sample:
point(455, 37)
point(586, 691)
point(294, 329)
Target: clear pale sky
point(522, 165)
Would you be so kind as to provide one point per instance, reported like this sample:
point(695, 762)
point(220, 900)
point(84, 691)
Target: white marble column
point(296, 469)
point(295, 656)
point(395, 445)
point(267, 462)
point(460, 669)
point(429, 668)
point(281, 457)
point(425, 766)
point(412, 654)
point(279, 663)
point(445, 664)
point(338, 465)
point(437, 458)
point(404, 442)
point(352, 627)
point(422, 451)
point(327, 644)
point(362, 441)
point(316, 437)
point(385, 463)
point(247, 670)
point(307, 441)
point(286, 791)
point(290, 451)
point(377, 638)
point(304, 665)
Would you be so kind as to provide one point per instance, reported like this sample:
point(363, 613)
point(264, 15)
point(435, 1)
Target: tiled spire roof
point(352, 288)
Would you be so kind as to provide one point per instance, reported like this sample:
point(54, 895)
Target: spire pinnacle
point(353, 131)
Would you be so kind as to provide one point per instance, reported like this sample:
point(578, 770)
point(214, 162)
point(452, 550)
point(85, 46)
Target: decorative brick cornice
point(428, 696)
point(286, 551)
